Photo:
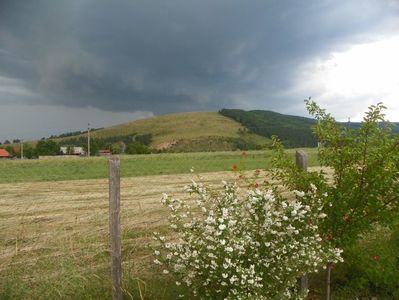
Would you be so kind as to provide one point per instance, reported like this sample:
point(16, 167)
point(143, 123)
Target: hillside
point(294, 131)
point(185, 132)
point(230, 129)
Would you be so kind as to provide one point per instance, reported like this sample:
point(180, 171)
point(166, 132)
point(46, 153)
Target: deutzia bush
point(233, 244)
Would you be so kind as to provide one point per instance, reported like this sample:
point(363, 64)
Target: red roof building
point(104, 152)
point(4, 154)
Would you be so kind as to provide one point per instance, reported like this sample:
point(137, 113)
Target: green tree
point(116, 148)
point(10, 150)
point(137, 148)
point(364, 186)
point(29, 151)
point(47, 147)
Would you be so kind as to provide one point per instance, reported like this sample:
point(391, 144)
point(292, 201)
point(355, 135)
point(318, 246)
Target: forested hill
point(294, 131)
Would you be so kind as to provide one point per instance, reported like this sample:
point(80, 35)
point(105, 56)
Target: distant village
point(75, 147)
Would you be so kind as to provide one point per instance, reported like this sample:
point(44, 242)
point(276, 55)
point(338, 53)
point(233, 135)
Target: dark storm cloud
point(166, 56)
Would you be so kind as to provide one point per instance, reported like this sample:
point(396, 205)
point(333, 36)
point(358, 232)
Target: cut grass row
point(136, 165)
point(54, 237)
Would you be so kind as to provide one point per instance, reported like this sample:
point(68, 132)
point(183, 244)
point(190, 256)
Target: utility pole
point(22, 149)
point(88, 140)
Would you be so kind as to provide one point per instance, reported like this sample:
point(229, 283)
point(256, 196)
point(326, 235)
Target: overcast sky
point(65, 63)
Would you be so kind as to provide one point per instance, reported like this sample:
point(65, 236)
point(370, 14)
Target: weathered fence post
point(115, 226)
point(302, 162)
point(328, 291)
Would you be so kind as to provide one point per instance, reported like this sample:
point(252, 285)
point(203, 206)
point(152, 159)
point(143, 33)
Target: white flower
point(203, 248)
point(222, 227)
point(299, 193)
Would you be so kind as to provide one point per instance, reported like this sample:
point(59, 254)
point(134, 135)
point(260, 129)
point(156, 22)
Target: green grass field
point(136, 165)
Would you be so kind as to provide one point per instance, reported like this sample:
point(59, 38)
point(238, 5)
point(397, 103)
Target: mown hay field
point(54, 233)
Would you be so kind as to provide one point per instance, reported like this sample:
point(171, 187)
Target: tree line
point(292, 130)
point(129, 144)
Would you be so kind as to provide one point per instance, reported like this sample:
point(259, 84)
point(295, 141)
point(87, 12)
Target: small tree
point(364, 188)
point(10, 150)
point(47, 147)
point(29, 151)
point(116, 148)
point(137, 148)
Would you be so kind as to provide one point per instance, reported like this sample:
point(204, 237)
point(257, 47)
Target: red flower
point(234, 168)
point(256, 184)
point(376, 258)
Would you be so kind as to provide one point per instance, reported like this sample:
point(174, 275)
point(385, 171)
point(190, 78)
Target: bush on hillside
point(137, 148)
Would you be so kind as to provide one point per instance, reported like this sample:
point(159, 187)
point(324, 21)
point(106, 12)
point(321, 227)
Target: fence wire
point(54, 215)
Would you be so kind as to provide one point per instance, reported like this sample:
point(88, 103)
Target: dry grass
point(54, 230)
point(54, 235)
point(181, 126)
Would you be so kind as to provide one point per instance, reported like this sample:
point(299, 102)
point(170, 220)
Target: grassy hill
point(186, 132)
point(229, 129)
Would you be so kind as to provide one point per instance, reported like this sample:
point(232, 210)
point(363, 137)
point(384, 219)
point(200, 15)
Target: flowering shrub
point(236, 245)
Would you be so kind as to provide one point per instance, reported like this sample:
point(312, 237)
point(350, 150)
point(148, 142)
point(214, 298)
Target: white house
point(72, 150)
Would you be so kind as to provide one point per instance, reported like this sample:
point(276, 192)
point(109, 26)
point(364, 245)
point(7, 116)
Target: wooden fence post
point(115, 226)
point(301, 159)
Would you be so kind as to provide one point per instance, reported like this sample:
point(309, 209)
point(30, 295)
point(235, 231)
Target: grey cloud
point(178, 55)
